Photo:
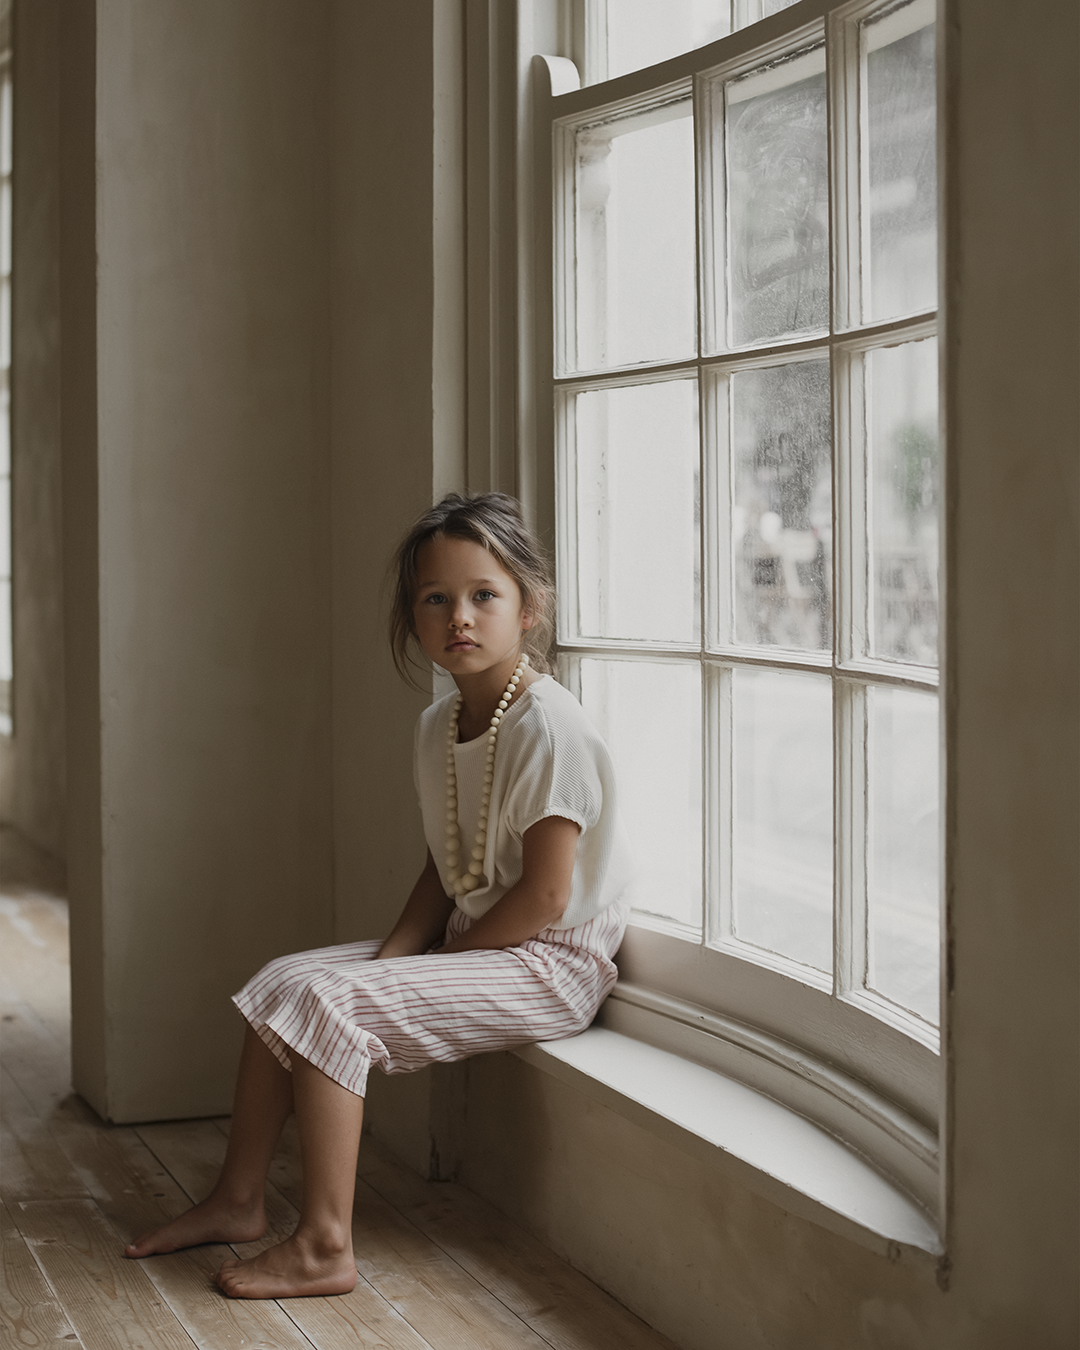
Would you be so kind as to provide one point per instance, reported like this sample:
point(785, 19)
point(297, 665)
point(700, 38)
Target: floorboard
point(111, 1302)
point(30, 1315)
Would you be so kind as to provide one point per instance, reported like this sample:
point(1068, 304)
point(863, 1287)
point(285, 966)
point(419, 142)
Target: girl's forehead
point(443, 556)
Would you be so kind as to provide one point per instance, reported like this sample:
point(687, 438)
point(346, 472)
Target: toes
point(142, 1246)
point(224, 1273)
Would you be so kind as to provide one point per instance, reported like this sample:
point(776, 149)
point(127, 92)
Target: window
point(744, 373)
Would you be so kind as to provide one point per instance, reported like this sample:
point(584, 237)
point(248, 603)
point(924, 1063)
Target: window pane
point(783, 840)
point(634, 202)
point(778, 200)
point(902, 867)
point(650, 715)
point(903, 498)
point(902, 206)
point(642, 32)
point(637, 511)
point(781, 526)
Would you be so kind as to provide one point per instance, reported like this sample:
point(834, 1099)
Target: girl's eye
point(437, 598)
point(485, 595)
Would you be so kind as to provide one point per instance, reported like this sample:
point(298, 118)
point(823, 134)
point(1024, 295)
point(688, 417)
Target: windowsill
point(727, 1125)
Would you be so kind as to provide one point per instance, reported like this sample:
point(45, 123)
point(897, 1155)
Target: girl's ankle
point(325, 1241)
point(238, 1202)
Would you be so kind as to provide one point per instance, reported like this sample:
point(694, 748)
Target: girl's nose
point(460, 617)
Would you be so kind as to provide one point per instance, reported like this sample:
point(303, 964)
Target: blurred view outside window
point(748, 468)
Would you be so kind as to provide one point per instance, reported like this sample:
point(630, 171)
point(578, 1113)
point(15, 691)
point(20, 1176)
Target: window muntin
point(816, 525)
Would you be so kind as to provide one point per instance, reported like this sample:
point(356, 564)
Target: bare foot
point(213, 1220)
point(293, 1269)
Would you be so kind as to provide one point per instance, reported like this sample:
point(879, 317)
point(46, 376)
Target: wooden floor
point(439, 1269)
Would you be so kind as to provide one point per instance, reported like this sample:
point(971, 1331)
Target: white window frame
point(835, 1052)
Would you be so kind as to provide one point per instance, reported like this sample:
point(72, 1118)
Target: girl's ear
point(527, 619)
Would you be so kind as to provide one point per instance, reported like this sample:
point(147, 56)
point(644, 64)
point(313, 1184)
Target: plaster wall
point(1012, 575)
point(35, 789)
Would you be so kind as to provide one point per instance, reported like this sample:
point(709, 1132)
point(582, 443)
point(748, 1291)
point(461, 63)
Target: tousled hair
point(494, 521)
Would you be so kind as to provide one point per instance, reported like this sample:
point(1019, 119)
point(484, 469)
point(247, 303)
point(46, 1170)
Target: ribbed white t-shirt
point(549, 761)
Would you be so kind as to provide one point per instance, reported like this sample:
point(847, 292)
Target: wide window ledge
point(740, 1131)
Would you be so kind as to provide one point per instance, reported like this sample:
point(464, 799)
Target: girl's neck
point(480, 695)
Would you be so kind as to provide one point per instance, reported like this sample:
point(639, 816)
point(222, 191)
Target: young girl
point(507, 937)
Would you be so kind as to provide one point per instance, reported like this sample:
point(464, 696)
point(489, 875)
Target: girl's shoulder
point(552, 710)
point(434, 720)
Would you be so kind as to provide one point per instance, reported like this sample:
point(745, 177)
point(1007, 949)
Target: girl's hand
point(536, 901)
point(424, 918)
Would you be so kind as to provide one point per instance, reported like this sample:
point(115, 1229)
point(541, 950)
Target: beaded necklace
point(469, 879)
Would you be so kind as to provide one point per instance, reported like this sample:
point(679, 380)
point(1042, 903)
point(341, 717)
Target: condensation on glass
point(636, 488)
point(903, 853)
point(902, 491)
point(634, 240)
point(777, 269)
point(781, 519)
point(782, 850)
point(901, 211)
point(649, 713)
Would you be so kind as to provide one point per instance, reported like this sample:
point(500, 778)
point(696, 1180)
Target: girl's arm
point(423, 920)
point(538, 899)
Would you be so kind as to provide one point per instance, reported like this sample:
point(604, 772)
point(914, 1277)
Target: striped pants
point(343, 1011)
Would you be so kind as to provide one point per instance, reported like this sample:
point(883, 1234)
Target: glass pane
point(642, 32)
point(783, 826)
point(650, 715)
point(778, 200)
point(781, 529)
point(634, 199)
point(637, 511)
point(903, 501)
point(902, 206)
point(903, 888)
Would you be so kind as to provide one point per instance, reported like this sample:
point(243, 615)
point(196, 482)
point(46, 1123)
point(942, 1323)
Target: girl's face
point(468, 615)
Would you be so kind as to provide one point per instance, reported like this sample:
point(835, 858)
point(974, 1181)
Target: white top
point(549, 761)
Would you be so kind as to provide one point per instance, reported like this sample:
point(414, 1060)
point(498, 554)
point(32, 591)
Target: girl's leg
point(234, 1210)
point(318, 1258)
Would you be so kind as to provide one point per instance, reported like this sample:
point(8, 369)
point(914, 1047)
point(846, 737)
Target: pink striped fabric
point(343, 1011)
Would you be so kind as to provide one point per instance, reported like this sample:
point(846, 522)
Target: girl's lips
point(461, 646)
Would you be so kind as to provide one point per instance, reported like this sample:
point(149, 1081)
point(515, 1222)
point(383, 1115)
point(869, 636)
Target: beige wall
point(34, 796)
point(260, 384)
point(1011, 692)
